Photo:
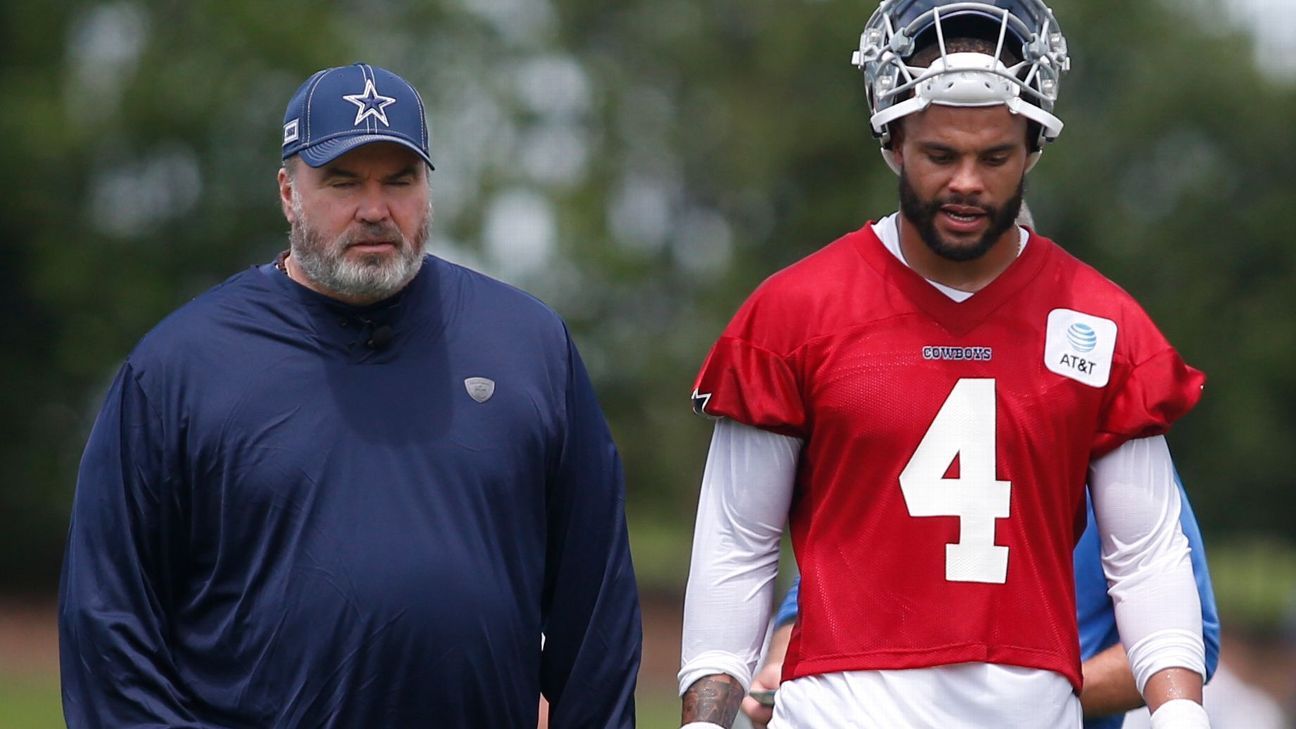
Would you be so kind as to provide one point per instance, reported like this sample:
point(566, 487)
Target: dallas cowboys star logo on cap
point(370, 104)
point(322, 131)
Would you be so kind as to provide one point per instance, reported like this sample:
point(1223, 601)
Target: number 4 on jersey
point(964, 428)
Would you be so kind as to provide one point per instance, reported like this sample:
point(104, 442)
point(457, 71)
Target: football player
point(923, 401)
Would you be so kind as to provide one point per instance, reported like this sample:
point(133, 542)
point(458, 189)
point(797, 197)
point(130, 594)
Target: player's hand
point(766, 680)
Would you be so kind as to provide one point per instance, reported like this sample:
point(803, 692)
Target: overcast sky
point(1274, 23)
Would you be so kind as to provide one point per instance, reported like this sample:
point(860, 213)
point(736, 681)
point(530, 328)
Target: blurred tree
point(641, 166)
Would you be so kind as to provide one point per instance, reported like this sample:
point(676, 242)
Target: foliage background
point(641, 166)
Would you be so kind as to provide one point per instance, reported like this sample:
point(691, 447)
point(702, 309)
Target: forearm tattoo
point(714, 699)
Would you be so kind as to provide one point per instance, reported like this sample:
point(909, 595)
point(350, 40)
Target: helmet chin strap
point(1032, 159)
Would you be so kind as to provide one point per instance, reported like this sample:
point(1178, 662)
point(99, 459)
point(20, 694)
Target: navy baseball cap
point(339, 109)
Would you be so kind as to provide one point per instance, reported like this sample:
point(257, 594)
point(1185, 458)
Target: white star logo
point(370, 104)
point(700, 401)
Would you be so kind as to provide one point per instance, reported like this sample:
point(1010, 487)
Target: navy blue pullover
point(277, 524)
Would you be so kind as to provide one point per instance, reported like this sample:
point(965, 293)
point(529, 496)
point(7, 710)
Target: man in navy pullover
point(353, 487)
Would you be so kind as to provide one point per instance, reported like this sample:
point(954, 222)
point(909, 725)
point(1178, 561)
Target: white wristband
point(701, 725)
point(1180, 714)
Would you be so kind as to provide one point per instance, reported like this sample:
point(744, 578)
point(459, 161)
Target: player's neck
point(970, 276)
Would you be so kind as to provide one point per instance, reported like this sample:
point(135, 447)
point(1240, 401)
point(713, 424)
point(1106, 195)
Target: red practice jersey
point(940, 490)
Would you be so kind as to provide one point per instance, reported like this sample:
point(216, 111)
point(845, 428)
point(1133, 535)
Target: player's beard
point(369, 278)
point(922, 213)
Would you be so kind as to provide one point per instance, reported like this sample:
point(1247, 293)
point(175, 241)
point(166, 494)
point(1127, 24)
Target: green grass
point(30, 703)
point(656, 710)
point(1255, 582)
point(33, 703)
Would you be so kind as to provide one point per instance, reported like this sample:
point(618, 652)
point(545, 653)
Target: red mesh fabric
point(853, 352)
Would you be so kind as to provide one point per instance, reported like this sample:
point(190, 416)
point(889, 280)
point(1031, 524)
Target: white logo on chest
point(480, 388)
point(1080, 346)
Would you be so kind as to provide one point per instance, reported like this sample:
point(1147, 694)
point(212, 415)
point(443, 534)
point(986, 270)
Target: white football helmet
point(900, 28)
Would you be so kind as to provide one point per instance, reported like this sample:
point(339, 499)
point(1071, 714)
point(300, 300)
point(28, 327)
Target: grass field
point(33, 703)
point(30, 703)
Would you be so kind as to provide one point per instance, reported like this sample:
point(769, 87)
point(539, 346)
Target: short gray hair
point(290, 166)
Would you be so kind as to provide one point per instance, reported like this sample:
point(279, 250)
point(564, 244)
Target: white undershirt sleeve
point(1146, 558)
point(746, 490)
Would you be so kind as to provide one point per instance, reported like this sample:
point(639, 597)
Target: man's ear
point(897, 142)
point(285, 194)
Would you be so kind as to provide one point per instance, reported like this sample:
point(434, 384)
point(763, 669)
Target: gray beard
point(366, 280)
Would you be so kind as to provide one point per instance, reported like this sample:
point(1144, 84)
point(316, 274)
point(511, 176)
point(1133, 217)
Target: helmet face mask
point(1018, 29)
